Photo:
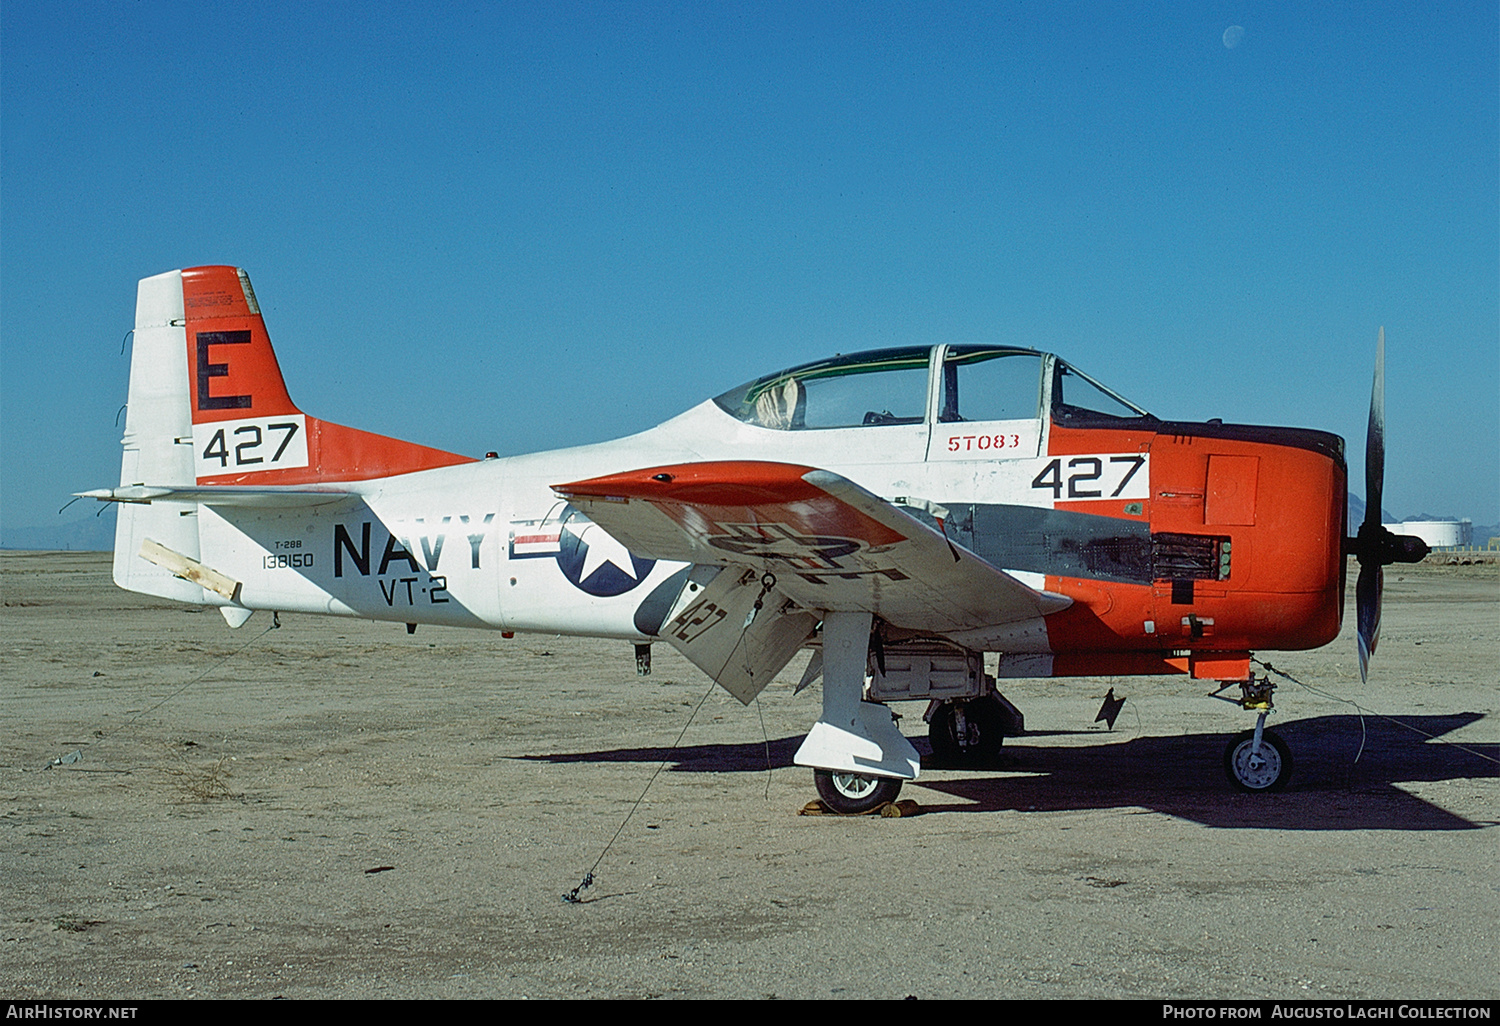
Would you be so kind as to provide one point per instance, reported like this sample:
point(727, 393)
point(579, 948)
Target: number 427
point(1085, 478)
point(246, 452)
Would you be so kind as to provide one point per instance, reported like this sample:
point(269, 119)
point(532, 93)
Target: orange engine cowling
point(1246, 532)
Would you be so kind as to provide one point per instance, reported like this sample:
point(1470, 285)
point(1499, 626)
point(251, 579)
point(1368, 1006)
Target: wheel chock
point(890, 810)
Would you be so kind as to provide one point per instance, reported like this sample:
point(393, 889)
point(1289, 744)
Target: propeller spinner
point(1376, 547)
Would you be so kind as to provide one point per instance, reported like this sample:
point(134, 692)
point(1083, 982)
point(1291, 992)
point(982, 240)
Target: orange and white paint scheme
point(928, 519)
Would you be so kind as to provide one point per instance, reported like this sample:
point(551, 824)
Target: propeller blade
point(1374, 546)
point(1367, 594)
point(1375, 440)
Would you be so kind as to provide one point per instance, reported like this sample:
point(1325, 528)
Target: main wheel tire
point(854, 793)
point(1258, 774)
point(987, 721)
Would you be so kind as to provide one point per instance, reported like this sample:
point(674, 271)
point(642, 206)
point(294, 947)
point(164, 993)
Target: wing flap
point(739, 630)
point(828, 543)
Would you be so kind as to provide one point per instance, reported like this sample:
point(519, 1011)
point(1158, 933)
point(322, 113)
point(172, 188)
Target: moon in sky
point(1232, 36)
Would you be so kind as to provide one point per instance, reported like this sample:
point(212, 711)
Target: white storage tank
point(1438, 534)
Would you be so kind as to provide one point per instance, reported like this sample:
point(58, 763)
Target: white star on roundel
point(599, 548)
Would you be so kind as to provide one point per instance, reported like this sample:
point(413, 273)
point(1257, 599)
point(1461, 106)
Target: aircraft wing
point(827, 543)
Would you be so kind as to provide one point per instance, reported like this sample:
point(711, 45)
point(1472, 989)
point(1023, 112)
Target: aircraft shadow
point(1181, 776)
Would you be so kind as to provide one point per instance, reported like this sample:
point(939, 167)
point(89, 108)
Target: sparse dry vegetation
point(197, 783)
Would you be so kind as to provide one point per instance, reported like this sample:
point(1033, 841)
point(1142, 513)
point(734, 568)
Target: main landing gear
point(1257, 761)
point(852, 793)
point(857, 755)
point(970, 732)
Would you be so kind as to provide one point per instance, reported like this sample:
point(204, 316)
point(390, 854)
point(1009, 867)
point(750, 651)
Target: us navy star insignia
point(599, 548)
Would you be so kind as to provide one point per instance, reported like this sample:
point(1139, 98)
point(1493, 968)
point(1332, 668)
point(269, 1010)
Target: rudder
point(157, 442)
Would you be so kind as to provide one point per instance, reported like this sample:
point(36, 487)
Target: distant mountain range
point(1357, 513)
point(90, 534)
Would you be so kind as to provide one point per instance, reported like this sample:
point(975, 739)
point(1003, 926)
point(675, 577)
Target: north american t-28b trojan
point(902, 512)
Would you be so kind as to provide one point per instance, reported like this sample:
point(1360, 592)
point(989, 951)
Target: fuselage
point(1184, 545)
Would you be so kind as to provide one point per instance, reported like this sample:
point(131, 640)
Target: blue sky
point(515, 227)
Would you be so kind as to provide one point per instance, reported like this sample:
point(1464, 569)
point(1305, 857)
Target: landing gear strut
point(1258, 761)
point(858, 756)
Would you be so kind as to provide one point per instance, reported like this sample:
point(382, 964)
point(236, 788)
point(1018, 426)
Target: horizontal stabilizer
point(263, 497)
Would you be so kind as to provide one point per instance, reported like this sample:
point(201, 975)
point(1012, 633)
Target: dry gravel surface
point(339, 809)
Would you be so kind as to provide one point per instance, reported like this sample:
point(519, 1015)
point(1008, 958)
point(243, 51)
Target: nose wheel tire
point(1258, 773)
point(853, 793)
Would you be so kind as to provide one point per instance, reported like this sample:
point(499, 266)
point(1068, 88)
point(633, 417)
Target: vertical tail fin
point(208, 406)
point(246, 429)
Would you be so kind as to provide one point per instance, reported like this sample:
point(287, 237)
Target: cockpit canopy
point(951, 383)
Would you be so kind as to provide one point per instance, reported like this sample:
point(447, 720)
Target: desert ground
point(339, 809)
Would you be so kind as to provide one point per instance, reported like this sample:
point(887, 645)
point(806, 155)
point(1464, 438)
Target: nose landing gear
point(1257, 761)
